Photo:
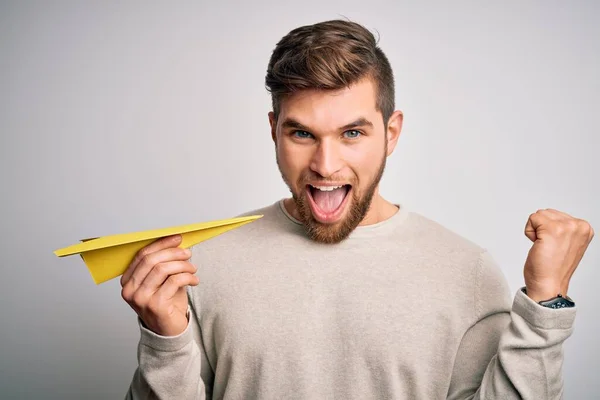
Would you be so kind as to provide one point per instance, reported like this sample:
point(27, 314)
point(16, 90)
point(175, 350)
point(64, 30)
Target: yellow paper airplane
point(109, 256)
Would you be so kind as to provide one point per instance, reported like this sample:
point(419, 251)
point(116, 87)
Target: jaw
point(328, 217)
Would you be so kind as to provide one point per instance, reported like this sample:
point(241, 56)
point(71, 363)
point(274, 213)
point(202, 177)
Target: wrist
point(542, 291)
point(166, 343)
point(162, 343)
point(541, 295)
point(173, 328)
point(558, 301)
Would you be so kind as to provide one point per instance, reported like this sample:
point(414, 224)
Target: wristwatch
point(557, 302)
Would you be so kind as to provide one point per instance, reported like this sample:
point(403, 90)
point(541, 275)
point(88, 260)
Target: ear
point(273, 123)
point(393, 130)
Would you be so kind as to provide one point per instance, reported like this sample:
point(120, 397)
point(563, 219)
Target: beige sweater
point(404, 309)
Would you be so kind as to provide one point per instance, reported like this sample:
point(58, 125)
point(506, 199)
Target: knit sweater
point(402, 309)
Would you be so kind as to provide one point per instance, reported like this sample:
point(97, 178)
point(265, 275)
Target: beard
point(358, 206)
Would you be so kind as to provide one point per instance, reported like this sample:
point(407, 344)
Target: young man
point(337, 292)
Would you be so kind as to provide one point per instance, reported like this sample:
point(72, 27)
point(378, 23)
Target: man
point(337, 293)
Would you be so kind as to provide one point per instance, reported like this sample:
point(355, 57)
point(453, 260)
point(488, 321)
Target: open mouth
point(328, 202)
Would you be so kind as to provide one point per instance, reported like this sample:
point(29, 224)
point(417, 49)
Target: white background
point(123, 116)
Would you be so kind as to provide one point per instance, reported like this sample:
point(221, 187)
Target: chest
point(327, 313)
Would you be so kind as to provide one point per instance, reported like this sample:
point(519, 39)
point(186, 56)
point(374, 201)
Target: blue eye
point(302, 134)
point(352, 134)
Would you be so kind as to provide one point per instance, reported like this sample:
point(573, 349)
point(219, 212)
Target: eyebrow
point(293, 124)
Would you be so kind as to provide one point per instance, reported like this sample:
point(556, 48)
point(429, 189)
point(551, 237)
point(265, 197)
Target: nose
point(326, 160)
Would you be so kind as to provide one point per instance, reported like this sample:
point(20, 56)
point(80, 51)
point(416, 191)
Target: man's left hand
point(559, 243)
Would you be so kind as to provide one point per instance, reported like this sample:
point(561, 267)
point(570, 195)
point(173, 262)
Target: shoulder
point(272, 224)
point(272, 221)
point(440, 239)
point(268, 212)
point(461, 260)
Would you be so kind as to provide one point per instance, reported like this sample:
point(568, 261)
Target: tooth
point(327, 188)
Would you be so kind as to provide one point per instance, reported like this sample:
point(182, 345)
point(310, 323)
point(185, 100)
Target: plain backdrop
point(121, 116)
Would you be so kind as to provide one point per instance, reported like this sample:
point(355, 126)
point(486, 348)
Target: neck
point(379, 211)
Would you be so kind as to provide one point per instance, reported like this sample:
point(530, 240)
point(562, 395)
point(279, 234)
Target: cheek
point(363, 160)
point(292, 159)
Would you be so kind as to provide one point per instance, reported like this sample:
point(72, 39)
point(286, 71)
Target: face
point(331, 149)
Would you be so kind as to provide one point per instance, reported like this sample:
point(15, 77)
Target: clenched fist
point(154, 285)
point(559, 242)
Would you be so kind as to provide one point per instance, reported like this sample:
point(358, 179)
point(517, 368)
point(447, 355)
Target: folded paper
point(109, 256)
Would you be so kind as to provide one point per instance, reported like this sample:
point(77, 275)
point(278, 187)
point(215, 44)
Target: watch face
point(559, 302)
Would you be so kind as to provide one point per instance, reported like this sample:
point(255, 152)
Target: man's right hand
point(154, 285)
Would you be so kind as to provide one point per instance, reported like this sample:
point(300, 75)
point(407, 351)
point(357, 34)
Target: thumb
point(530, 231)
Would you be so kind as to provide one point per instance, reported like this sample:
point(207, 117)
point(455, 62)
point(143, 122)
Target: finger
point(530, 231)
point(148, 263)
point(161, 272)
point(157, 245)
point(585, 229)
point(548, 213)
point(554, 214)
point(155, 278)
point(174, 283)
point(542, 217)
point(530, 228)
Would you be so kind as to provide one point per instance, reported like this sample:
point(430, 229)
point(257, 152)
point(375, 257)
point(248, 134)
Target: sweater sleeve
point(514, 350)
point(174, 367)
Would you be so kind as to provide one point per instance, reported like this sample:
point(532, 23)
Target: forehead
point(331, 109)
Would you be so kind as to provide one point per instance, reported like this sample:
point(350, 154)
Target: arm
point(512, 351)
point(515, 351)
point(171, 356)
point(172, 366)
